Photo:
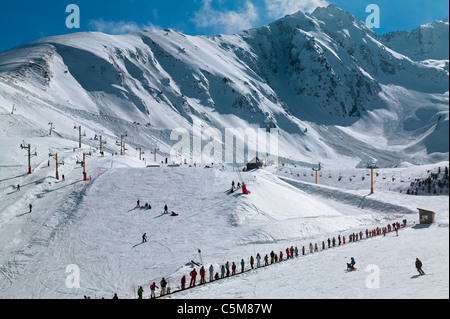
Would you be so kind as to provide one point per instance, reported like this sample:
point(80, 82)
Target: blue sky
point(24, 21)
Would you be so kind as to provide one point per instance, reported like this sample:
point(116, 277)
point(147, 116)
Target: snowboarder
point(193, 274)
point(153, 286)
point(144, 238)
point(419, 267)
point(140, 291)
point(163, 286)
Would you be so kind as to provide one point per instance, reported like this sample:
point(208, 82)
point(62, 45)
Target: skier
point(222, 271)
point(183, 282)
point(163, 286)
point(144, 238)
point(202, 275)
point(140, 291)
point(193, 274)
point(211, 272)
point(419, 267)
point(153, 286)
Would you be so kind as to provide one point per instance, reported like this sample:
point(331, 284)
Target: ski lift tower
point(28, 147)
point(316, 168)
point(371, 166)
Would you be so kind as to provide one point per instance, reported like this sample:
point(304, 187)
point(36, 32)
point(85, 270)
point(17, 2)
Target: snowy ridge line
point(376, 232)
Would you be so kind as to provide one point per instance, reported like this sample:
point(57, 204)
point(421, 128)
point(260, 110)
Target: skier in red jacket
point(193, 274)
point(153, 286)
point(202, 275)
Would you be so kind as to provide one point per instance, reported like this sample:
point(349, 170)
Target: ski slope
point(96, 226)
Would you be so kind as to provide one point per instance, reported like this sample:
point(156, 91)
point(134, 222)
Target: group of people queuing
point(230, 269)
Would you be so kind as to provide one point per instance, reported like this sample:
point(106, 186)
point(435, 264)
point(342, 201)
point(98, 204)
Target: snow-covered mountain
point(325, 80)
point(338, 94)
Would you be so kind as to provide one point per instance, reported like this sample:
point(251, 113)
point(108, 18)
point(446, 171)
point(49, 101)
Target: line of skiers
point(228, 269)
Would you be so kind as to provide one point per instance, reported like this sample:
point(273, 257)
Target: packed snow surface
point(95, 226)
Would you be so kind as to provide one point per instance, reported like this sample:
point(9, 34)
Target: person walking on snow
point(242, 265)
point(419, 267)
point(153, 286)
point(30, 206)
point(144, 238)
point(222, 271)
point(233, 269)
point(252, 261)
point(165, 209)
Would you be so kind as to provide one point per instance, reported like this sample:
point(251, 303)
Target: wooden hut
point(255, 163)
point(426, 216)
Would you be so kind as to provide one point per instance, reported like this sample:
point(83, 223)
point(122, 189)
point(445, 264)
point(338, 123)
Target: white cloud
point(280, 8)
point(119, 27)
point(227, 22)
